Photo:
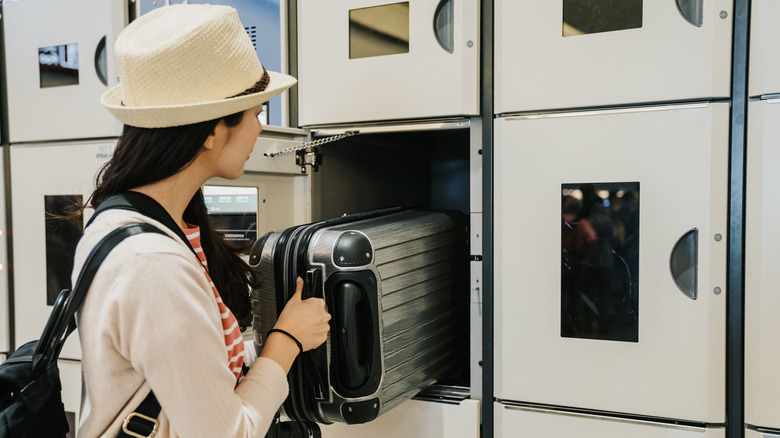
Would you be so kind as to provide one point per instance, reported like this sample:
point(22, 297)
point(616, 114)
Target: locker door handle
point(683, 263)
point(692, 11)
point(100, 61)
point(354, 328)
point(444, 25)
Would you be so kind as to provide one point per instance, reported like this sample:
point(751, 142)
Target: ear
point(213, 138)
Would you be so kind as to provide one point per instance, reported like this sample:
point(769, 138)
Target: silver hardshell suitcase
point(396, 283)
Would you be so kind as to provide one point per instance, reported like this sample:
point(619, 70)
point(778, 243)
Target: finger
point(298, 289)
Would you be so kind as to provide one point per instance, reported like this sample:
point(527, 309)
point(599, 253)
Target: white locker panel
point(553, 54)
point(366, 60)
point(59, 61)
point(762, 277)
point(764, 48)
point(48, 176)
point(5, 328)
point(514, 421)
point(416, 418)
point(70, 376)
point(602, 324)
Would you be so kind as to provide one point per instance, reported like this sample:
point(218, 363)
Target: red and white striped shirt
point(234, 342)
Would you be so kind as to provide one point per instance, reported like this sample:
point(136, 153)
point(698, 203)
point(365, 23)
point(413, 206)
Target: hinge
point(312, 158)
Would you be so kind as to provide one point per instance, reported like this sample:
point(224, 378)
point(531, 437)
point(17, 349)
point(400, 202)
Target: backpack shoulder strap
point(140, 203)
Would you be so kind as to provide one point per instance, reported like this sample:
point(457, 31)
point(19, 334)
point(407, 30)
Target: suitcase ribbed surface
point(421, 261)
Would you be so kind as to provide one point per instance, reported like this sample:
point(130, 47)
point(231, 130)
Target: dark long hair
point(147, 155)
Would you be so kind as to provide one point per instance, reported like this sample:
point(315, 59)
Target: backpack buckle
point(141, 417)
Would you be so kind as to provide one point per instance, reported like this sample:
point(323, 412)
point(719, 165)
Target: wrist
point(280, 349)
point(289, 335)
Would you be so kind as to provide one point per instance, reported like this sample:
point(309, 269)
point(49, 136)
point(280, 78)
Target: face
point(231, 146)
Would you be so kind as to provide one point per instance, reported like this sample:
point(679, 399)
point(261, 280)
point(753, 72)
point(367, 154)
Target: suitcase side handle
point(353, 327)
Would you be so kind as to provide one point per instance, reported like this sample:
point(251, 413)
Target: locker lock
point(312, 158)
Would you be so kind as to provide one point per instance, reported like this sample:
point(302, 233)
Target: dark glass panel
point(62, 236)
point(600, 261)
point(582, 17)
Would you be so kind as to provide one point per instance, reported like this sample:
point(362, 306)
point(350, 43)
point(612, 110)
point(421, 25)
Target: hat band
point(259, 86)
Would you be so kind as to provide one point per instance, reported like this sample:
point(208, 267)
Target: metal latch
point(312, 158)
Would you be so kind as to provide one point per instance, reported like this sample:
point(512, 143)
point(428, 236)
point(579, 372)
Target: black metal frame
point(486, 112)
point(6, 151)
point(735, 308)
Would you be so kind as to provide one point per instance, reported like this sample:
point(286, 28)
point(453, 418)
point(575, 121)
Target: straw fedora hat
point(186, 64)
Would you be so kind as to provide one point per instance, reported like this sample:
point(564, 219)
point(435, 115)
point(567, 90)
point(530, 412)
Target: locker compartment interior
point(372, 171)
point(426, 170)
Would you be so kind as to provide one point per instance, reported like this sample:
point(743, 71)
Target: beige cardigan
point(150, 320)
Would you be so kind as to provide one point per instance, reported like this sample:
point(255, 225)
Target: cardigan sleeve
point(169, 328)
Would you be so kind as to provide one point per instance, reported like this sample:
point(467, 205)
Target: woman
point(157, 318)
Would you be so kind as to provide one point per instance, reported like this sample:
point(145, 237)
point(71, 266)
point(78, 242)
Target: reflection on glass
point(600, 261)
point(379, 30)
point(62, 236)
point(233, 211)
point(59, 65)
point(594, 16)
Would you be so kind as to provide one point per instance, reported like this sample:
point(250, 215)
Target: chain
point(313, 143)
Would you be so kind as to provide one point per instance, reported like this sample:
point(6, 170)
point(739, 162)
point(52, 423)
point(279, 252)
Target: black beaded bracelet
point(300, 347)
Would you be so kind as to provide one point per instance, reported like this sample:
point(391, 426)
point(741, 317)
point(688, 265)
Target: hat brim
point(187, 114)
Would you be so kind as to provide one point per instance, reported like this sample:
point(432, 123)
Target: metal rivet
point(368, 255)
point(724, 14)
point(718, 237)
point(469, 44)
point(341, 259)
point(374, 405)
point(349, 409)
point(716, 290)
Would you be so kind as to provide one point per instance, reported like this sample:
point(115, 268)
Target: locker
point(398, 60)
point(574, 53)
point(59, 61)
point(764, 69)
point(539, 422)
point(762, 302)
point(42, 188)
point(610, 270)
point(360, 173)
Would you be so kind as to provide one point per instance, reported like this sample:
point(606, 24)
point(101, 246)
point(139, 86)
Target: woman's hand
point(307, 320)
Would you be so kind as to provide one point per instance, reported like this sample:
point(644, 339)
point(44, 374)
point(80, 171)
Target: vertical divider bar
point(6, 151)
point(735, 310)
point(486, 112)
point(292, 59)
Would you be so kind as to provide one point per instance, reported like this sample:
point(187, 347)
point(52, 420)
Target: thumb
point(298, 289)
